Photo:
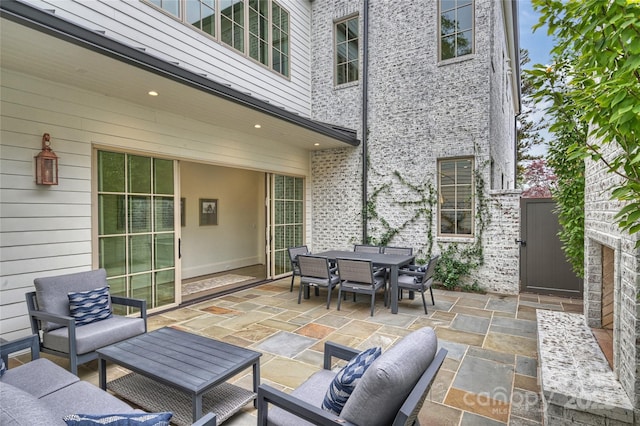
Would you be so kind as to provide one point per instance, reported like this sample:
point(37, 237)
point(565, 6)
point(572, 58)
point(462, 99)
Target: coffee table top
point(184, 360)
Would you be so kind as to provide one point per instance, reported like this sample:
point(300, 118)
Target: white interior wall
point(238, 238)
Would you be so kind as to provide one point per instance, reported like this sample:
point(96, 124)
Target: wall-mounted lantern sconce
point(46, 163)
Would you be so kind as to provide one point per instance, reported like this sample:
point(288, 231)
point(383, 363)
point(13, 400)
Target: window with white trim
point(455, 197)
point(256, 28)
point(456, 28)
point(347, 50)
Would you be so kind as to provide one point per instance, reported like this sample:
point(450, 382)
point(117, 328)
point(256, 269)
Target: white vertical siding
point(137, 24)
point(47, 231)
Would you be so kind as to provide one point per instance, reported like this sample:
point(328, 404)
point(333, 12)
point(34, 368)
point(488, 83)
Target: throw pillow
point(3, 367)
point(128, 419)
point(346, 380)
point(90, 306)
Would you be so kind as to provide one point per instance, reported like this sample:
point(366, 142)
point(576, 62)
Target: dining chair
point(402, 251)
point(366, 248)
point(315, 271)
point(293, 257)
point(418, 278)
point(357, 276)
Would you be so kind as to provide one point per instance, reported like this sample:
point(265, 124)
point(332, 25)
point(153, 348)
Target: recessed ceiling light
point(153, 93)
point(316, 144)
point(257, 126)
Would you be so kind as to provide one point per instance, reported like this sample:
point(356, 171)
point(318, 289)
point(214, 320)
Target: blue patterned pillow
point(90, 306)
point(346, 380)
point(3, 367)
point(129, 419)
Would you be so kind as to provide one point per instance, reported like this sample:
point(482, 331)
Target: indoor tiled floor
point(488, 378)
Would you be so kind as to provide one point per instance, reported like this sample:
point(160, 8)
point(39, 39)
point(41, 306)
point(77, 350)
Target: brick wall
point(420, 110)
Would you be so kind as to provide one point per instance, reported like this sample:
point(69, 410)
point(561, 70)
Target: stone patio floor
point(489, 377)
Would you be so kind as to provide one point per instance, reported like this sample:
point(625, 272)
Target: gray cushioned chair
point(50, 318)
point(391, 391)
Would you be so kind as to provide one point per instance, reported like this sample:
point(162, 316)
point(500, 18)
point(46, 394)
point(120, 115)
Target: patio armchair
point(315, 271)
point(391, 391)
point(293, 257)
point(418, 278)
point(357, 276)
point(72, 315)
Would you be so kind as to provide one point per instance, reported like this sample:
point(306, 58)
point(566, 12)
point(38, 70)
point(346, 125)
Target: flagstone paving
point(489, 377)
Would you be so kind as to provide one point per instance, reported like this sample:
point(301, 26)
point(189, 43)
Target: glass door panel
point(287, 204)
point(136, 230)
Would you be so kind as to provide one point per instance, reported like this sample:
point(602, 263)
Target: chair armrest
point(332, 349)
point(141, 304)
point(208, 419)
point(269, 395)
point(63, 320)
point(29, 342)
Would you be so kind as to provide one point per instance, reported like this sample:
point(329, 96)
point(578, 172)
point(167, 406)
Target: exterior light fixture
point(46, 163)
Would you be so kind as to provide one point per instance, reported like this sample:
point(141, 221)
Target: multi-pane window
point(455, 196)
point(347, 50)
point(456, 28)
point(280, 39)
point(257, 28)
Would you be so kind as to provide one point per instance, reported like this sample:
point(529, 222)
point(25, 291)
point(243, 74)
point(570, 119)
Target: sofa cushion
point(128, 419)
point(90, 306)
point(312, 391)
point(95, 335)
point(51, 292)
point(39, 377)
point(346, 380)
point(19, 408)
point(386, 384)
point(84, 397)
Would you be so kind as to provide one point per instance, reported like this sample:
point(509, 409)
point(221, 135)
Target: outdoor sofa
point(42, 393)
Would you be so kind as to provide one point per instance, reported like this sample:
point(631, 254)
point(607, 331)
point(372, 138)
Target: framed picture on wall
point(183, 212)
point(208, 211)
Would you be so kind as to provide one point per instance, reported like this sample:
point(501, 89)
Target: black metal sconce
point(46, 163)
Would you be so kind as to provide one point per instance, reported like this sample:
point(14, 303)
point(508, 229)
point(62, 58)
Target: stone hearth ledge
point(575, 377)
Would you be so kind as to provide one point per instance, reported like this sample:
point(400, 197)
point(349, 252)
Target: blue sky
point(538, 44)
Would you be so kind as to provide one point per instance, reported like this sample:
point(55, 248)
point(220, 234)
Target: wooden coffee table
point(190, 363)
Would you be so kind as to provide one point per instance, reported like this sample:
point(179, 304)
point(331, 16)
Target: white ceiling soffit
point(72, 58)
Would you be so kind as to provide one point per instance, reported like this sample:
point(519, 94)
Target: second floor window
point(257, 28)
point(455, 197)
point(456, 28)
point(347, 50)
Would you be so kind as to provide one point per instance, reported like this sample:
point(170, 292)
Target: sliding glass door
point(286, 220)
point(136, 226)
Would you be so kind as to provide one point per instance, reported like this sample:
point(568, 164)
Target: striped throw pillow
point(90, 306)
point(346, 380)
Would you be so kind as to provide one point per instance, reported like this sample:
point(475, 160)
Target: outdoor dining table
point(380, 260)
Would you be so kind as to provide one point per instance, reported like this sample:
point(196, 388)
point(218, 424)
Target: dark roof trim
point(46, 22)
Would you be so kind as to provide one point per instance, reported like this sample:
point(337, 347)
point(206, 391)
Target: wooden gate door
point(544, 268)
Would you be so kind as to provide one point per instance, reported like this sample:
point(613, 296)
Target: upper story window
point(257, 28)
point(456, 28)
point(455, 196)
point(347, 50)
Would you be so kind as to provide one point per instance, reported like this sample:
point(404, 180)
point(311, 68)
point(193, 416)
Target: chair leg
point(373, 302)
point(300, 292)
point(340, 296)
point(293, 277)
point(433, 302)
point(329, 288)
point(424, 302)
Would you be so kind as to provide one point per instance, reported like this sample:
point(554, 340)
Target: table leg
point(197, 406)
point(393, 281)
point(102, 373)
point(256, 381)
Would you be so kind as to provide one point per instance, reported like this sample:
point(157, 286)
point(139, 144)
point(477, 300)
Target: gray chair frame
point(315, 271)
point(357, 276)
point(293, 257)
point(37, 316)
point(402, 251)
point(406, 416)
point(407, 280)
point(367, 248)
